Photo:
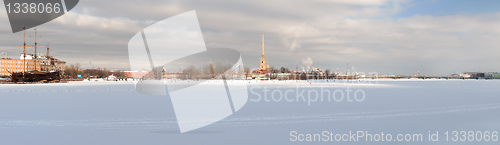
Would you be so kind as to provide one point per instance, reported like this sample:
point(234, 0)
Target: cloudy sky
point(435, 37)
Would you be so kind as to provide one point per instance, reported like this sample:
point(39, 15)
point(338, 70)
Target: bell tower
point(263, 64)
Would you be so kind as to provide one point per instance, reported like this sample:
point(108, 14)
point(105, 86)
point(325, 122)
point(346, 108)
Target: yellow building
point(264, 66)
point(9, 66)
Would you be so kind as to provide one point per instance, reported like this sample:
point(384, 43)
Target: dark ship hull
point(36, 76)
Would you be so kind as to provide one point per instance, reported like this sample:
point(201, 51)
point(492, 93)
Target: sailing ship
point(34, 75)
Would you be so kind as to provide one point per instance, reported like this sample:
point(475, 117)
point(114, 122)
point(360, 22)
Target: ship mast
point(47, 57)
point(24, 50)
point(48, 49)
point(35, 48)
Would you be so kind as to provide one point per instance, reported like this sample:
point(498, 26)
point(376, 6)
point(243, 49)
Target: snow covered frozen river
point(113, 113)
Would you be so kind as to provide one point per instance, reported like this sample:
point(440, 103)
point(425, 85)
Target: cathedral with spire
point(264, 65)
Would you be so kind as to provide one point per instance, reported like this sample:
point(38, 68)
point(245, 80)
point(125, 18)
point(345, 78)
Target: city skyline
point(399, 37)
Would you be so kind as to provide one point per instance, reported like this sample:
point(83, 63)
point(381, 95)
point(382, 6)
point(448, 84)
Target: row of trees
point(210, 71)
point(73, 70)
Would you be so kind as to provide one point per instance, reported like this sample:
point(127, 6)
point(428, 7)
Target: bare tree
point(77, 66)
point(284, 70)
point(221, 70)
point(327, 72)
point(273, 70)
point(247, 72)
point(192, 72)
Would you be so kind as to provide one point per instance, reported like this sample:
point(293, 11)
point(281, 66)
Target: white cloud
point(330, 32)
point(307, 62)
point(291, 39)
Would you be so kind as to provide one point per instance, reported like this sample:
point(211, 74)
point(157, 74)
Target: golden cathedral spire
point(262, 44)
point(263, 64)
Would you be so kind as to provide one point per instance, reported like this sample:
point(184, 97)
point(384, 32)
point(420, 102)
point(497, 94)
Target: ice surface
point(110, 113)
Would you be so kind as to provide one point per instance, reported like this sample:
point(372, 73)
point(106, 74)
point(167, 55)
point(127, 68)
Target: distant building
point(135, 74)
point(495, 76)
point(465, 75)
point(264, 65)
point(43, 63)
point(475, 75)
point(479, 75)
point(9, 66)
point(171, 75)
point(49, 63)
point(148, 74)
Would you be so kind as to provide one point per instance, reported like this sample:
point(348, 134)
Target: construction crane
point(91, 64)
